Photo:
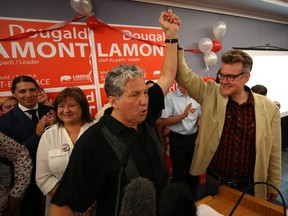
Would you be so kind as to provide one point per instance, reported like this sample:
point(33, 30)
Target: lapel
point(260, 119)
point(20, 115)
point(42, 110)
point(221, 112)
point(18, 124)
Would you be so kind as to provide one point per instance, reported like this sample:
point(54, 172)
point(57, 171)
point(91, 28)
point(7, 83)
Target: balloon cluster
point(211, 47)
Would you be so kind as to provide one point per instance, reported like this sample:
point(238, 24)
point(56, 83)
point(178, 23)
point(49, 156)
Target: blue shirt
point(175, 104)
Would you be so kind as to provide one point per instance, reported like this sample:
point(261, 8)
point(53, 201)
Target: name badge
point(65, 147)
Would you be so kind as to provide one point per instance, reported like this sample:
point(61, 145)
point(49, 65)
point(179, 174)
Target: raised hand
point(172, 18)
point(40, 128)
point(51, 116)
point(170, 24)
point(187, 109)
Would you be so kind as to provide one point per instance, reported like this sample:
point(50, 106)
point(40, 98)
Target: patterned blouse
point(22, 163)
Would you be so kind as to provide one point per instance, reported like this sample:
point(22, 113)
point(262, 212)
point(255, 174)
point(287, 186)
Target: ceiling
point(268, 10)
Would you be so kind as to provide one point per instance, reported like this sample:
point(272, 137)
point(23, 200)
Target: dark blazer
point(17, 125)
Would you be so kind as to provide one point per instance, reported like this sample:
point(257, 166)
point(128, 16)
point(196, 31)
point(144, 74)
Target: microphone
point(139, 198)
point(250, 187)
point(123, 164)
point(176, 199)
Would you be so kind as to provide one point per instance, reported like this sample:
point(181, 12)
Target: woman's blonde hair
point(5, 99)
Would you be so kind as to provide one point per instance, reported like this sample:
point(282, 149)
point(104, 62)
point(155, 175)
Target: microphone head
point(139, 198)
point(176, 200)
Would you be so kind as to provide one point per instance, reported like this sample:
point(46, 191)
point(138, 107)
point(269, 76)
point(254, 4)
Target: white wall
point(270, 68)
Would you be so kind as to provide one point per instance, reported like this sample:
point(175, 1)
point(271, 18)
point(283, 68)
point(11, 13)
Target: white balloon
point(219, 29)
point(210, 58)
point(83, 7)
point(205, 45)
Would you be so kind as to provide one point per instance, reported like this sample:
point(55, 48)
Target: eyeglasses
point(229, 77)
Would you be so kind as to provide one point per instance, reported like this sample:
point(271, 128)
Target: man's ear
point(247, 77)
point(113, 101)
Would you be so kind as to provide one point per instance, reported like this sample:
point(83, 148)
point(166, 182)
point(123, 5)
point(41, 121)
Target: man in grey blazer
point(239, 140)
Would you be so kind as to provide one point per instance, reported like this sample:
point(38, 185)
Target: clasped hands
point(169, 23)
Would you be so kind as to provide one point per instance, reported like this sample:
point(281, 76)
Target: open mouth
point(144, 112)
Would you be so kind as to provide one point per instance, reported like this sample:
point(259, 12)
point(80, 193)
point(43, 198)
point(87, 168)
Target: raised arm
point(170, 25)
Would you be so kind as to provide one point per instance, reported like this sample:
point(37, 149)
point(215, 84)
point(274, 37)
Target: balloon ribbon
point(192, 50)
point(93, 23)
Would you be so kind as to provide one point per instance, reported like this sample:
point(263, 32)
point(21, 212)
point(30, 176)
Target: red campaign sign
point(54, 58)
point(113, 48)
point(75, 55)
point(91, 97)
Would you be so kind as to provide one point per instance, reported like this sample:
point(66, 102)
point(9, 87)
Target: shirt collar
point(250, 97)
point(179, 93)
point(24, 109)
point(114, 125)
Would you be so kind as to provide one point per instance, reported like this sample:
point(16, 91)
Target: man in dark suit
point(25, 124)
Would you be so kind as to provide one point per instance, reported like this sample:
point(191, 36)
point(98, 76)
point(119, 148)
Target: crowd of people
point(56, 159)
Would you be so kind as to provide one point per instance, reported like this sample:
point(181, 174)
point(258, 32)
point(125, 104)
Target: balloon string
point(50, 28)
point(100, 23)
point(207, 70)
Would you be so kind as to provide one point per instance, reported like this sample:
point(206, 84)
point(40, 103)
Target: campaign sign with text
point(54, 58)
point(76, 55)
point(114, 48)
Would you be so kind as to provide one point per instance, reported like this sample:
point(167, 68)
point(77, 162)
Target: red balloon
point(92, 22)
point(216, 46)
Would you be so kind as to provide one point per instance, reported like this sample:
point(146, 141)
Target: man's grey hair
point(117, 78)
